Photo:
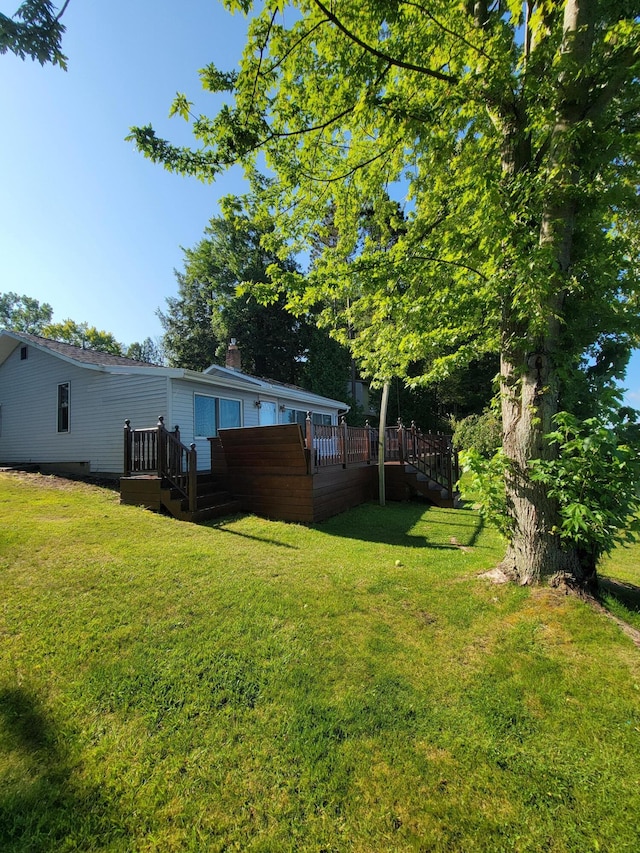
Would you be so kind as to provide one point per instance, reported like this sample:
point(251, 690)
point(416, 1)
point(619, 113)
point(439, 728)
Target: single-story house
point(64, 407)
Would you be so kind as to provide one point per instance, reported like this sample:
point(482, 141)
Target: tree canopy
point(24, 313)
point(508, 132)
point(215, 304)
point(36, 31)
point(82, 335)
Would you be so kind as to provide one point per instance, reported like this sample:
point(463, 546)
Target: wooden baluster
point(143, 450)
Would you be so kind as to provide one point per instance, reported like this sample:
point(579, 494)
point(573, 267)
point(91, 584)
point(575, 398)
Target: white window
point(229, 413)
point(298, 416)
point(319, 418)
point(63, 407)
point(294, 416)
point(214, 413)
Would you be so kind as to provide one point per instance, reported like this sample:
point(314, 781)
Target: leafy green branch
point(35, 30)
point(595, 480)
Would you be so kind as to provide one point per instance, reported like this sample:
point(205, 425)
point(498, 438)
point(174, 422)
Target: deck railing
point(431, 453)
point(157, 450)
point(338, 444)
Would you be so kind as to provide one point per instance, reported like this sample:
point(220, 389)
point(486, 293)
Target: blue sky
point(87, 224)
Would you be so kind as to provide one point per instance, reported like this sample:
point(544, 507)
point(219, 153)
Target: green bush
point(595, 480)
point(482, 433)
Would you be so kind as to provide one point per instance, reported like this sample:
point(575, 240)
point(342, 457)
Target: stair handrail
point(160, 451)
point(433, 454)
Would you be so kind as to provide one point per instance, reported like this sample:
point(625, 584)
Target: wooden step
point(209, 505)
point(429, 489)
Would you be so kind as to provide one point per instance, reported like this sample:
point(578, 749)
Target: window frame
point(63, 406)
point(216, 413)
point(300, 417)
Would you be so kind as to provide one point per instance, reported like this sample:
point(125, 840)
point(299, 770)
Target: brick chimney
point(233, 359)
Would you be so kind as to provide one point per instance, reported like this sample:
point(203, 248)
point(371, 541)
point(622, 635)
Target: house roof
point(79, 354)
point(94, 360)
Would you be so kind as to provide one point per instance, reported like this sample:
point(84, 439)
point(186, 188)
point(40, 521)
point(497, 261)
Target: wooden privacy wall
point(269, 474)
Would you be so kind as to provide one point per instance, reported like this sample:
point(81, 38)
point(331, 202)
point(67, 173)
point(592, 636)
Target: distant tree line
point(22, 313)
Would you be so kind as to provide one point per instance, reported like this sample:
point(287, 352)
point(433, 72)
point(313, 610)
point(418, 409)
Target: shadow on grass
point(625, 593)
point(396, 523)
point(41, 809)
point(267, 540)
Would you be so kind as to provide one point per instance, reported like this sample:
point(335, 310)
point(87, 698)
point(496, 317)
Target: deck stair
point(422, 485)
point(212, 500)
point(430, 465)
point(160, 472)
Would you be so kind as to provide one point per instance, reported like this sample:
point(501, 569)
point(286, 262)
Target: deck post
point(308, 435)
point(401, 447)
point(192, 467)
point(344, 439)
point(127, 448)
point(456, 464)
point(161, 448)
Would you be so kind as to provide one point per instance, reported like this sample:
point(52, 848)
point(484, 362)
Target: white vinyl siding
point(100, 404)
point(101, 400)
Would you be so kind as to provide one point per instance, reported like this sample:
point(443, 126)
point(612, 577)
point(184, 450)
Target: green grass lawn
point(259, 686)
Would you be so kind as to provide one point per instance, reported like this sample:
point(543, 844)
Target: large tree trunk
point(529, 379)
point(529, 401)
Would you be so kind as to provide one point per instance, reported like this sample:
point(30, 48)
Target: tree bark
point(530, 384)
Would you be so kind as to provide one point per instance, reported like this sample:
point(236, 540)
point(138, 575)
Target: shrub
point(482, 433)
point(595, 480)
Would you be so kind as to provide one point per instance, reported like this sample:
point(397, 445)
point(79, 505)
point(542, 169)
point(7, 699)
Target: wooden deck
point(271, 473)
point(278, 472)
